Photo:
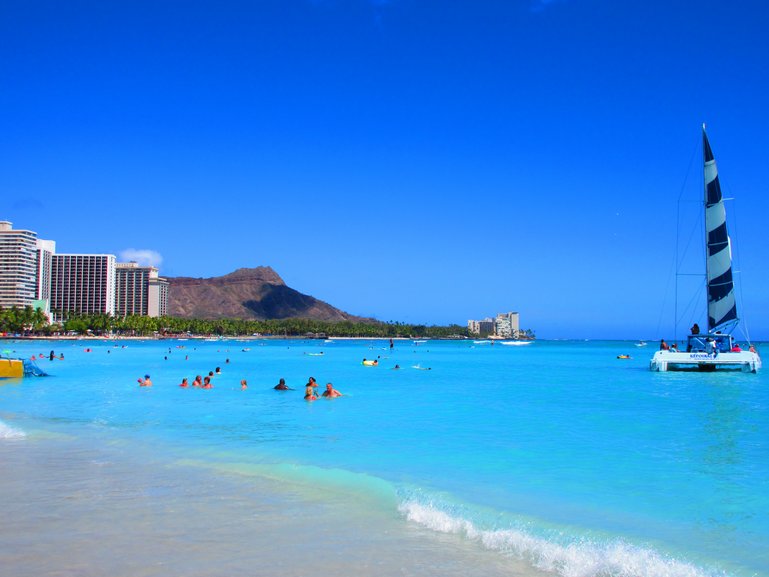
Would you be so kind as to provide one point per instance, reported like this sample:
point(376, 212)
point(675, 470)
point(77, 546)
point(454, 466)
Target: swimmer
point(331, 392)
point(309, 394)
point(198, 382)
point(146, 382)
point(311, 383)
point(243, 385)
point(218, 371)
point(184, 383)
point(396, 367)
point(281, 386)
point(207, 383)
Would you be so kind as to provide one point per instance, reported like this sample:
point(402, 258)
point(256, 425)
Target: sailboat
point(715, 349)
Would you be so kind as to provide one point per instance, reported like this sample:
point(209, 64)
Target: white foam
point(8, 432)
point(584, 558)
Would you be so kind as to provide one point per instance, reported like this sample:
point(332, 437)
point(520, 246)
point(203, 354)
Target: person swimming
point(309, 393)
point(282, 386)
point(184, 383)
point(331, 392)
point(243, 385)
point(146, 382)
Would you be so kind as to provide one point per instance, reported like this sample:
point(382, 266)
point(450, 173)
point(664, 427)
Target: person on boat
point(736, 348)
point(674, 348)
point(331, 392)
point(309, 393)
point(184, 384)
point(752, 349)
point(695, 329)
point(282, 386)
point(712, 347)
point(663, 345)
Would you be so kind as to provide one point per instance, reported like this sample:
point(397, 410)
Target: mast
point(722, 309)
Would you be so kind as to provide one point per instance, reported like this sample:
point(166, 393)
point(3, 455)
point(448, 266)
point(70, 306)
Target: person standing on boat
point(663, 345)
point(695, 329)
point(713, 347)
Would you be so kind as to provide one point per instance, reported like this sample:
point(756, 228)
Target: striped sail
point(721, 305)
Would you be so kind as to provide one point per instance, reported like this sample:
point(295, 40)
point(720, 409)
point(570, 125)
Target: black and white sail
point(722, 309)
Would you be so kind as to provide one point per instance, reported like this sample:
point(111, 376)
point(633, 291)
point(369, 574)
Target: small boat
point(624, 357)
point(419, 342)
point(714, 350)
point(641, 344)
point(515, 343)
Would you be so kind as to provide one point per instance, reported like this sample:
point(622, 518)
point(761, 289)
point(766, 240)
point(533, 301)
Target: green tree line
point(29, 321)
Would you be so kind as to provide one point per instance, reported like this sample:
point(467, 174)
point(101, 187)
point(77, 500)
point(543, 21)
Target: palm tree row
point(30, 321)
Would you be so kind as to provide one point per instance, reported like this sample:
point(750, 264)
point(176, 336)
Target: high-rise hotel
point(25, 267)
point(82, 283)
point(140, 291)
point(32, 274)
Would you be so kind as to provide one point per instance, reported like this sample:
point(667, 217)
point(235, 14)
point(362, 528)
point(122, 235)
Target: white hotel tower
point(25, 268)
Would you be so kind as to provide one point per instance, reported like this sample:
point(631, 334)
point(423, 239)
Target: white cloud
point(143, 256)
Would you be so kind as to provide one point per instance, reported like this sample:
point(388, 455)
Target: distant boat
point(482, 342)
point(419, 342)
point(714, 350)
point(641, 344)
point(515, 343)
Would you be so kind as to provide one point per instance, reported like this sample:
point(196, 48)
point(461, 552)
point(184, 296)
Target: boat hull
point(744, 361)
point(11, 368)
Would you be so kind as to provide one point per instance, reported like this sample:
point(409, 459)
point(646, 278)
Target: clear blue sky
point(413, 160)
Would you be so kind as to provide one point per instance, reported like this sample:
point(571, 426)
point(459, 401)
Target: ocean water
point(554, 458)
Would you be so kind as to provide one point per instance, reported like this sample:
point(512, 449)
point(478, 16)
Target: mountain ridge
point(257, 293)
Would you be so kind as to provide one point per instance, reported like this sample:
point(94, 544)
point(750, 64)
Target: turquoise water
point(554, 454)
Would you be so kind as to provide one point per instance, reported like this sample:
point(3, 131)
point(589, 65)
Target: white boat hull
point(744, 361)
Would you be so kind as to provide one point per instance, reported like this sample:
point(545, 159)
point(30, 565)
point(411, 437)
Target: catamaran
point(714, 349)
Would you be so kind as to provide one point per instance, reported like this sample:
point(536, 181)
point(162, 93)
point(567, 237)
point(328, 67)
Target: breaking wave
point(579, 558)
point(8, 432)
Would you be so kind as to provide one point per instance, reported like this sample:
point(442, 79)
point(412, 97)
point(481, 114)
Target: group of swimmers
point(310, 392)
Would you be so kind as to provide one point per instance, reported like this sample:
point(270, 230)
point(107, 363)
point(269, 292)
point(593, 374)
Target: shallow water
point(554, 457)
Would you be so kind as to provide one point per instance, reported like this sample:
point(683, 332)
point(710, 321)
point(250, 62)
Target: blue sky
point(412, 160)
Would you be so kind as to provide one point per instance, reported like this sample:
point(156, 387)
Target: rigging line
point(678, 232)
point(737, 270)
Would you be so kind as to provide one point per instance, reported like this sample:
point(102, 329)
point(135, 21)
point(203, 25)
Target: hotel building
point(140, 291)
point(18, 266)
point(82, 283)
point(504, 326)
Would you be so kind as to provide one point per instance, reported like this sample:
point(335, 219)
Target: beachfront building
point(483, 327)
point(45, 252)
point(18, 266)
point(82, 283)
point(507, 325)
point(140, 291)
